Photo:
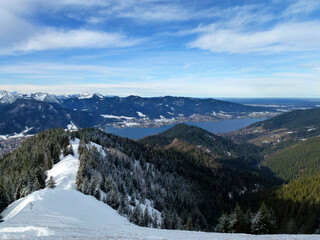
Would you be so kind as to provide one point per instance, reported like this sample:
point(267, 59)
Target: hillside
point(297, 205)
point(290, 144)
point(276, 131)
point(177, 183)
point(244, 155)
point(23, 171)
point(38, 116)
point(156, 107)
point(300, 159)
point(195, 179)
point(58, 214)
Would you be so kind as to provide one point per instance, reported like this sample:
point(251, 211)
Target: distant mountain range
point(39, 111)
point(37, 116)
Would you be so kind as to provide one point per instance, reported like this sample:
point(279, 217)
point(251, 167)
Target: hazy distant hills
point(153, 108)
point(41, 111)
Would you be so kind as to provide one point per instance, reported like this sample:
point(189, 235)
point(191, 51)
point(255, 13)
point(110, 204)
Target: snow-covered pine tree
point(51, 183)
point(263, 222)
point(223, 224)
point(237, 223)
point(146, 217)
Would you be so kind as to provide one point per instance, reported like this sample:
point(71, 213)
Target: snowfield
point(65, 213)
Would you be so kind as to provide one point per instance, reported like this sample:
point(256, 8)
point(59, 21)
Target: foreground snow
point(65, 213)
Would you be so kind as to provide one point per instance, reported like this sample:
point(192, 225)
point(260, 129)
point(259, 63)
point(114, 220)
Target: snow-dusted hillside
point(65, 213)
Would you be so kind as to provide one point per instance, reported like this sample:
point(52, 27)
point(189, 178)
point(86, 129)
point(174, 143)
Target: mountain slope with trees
point(300, 159)
point(191, 188)
point(280, 131)
point(244, 156)
point(290, 144)
point(155, 107)
point(39, 116)
point(297, 205)
point(24, 170)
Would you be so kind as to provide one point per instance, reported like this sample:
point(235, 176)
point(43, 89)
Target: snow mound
point(65, 213)
point(72, 127)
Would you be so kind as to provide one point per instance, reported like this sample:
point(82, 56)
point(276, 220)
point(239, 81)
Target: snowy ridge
point(7, 97)
point(11, 97)
point(65, 213)
point(89, 95)
point(85, 95)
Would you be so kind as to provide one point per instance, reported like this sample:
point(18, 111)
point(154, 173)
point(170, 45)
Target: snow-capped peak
point(90, 95)
point(11, 97)
point(99, 95)
point(86, 95)
point(44, 97)
point(7, 97)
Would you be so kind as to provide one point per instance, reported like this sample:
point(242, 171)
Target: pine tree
point(136, 215)
point(49, 161)
point(223, 224)
point(132, 201)
point(263, 221)
point(165, 224)
point(146, 217)
point(56, 154)
point(4, 198)
point(97, 193)
point(237, 223)
point(112, 199)
point(189, 224)
point(154, 220)
point(51, 183)
point(291, 227)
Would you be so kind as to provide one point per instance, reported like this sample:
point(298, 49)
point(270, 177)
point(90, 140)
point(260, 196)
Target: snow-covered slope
point(44, 97)
point(7, 97)
point(65, 213)
point(89, 95)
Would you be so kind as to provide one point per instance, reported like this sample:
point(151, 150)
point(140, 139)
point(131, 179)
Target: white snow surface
point(85, 95)
point(65, 213)
point(7, 97)
point(141, 115)
point(116, 117)
point(18, 135)
point(72, 127)
point(89, 95)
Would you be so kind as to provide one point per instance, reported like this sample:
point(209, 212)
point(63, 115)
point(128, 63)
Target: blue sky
point(195, 48)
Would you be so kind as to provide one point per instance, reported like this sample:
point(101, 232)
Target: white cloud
point(302, 7)
point(12, 25)
point(59, 39)
point(19, 33)
point(283, 37)
point(52, 70)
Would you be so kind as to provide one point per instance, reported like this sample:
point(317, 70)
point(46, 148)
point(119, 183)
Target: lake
point(214, 127)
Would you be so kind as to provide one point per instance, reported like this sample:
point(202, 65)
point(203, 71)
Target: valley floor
point(65, 213)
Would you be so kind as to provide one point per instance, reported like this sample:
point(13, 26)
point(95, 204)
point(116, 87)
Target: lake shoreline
point(221, 126)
